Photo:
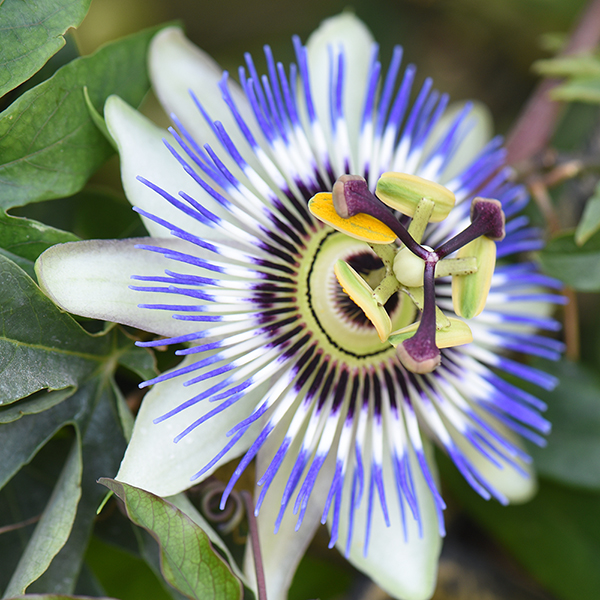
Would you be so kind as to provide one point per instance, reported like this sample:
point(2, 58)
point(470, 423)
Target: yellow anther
point(361, 226)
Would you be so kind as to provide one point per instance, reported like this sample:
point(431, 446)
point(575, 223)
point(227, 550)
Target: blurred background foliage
point(547, 549)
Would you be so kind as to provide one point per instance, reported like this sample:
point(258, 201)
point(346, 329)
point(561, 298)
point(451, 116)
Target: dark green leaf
point(103, 446)
point(90, 214)
point(573, 452)
point(31, 33)
point(579, 89)
point(24, 498)
point(189, 562)
point(36, 403)
point(122, 574)
point(40, 346)
point(54, 527)
point(28, 239)
point(577, 266)
point(556, 536)
point(48, 140)
point(590, 220)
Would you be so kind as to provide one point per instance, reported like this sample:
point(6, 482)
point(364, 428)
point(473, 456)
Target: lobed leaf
point(40, 346)
point(188, 560)
point(27, 238)
point(54, 527)
point(31, 33)
point(48, 140)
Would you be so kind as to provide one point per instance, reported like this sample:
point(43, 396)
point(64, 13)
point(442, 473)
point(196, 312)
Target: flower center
point(409, 267)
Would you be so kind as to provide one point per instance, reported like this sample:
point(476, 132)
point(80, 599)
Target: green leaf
point(93, 213)
point(48, 140)
point(122, 574)
point(103, 446)
point(577, 266)
point(28, 239)
point(579, 89)
point(590, 220)
point(36, 403)
point(556, 536)
point(573, 452)
point(31, 33)
point(40, 346)
point(24, 497)
point(580, 65)
point(54, 527)
point(189, 562)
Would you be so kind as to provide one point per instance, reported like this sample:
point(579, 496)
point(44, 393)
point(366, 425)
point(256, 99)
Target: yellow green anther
point(456, 334)
point(360, 292)
point(469, 292)
point(361, 226)
point(403, 192)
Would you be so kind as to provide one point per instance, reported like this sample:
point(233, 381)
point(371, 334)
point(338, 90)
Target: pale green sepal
point(403, 192)
point(406, 570)
point(469, 292)
point(360, 293)
point(92, 279)
point(98, 119)
point(347, 31)
point(456, 334)
point(154, 462)
point(143, 153)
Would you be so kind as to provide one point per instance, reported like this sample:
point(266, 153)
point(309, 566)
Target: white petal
point(517, 487)
point(143, 153)
point(349, 32)
point(92, 279)
point(178, 66)
point(154, 462)
point(405, 570)
point(481, 128)
point(282, 552)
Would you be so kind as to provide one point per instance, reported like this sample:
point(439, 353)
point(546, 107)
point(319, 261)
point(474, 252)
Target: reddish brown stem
point(261, 586)
point(537, 121)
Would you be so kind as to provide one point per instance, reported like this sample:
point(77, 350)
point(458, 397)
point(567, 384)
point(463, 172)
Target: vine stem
point(535, 125)
point(261, 586)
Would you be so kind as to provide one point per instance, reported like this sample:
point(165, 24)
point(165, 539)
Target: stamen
point(419, 354)
point(487, 219)
point(351, 196)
